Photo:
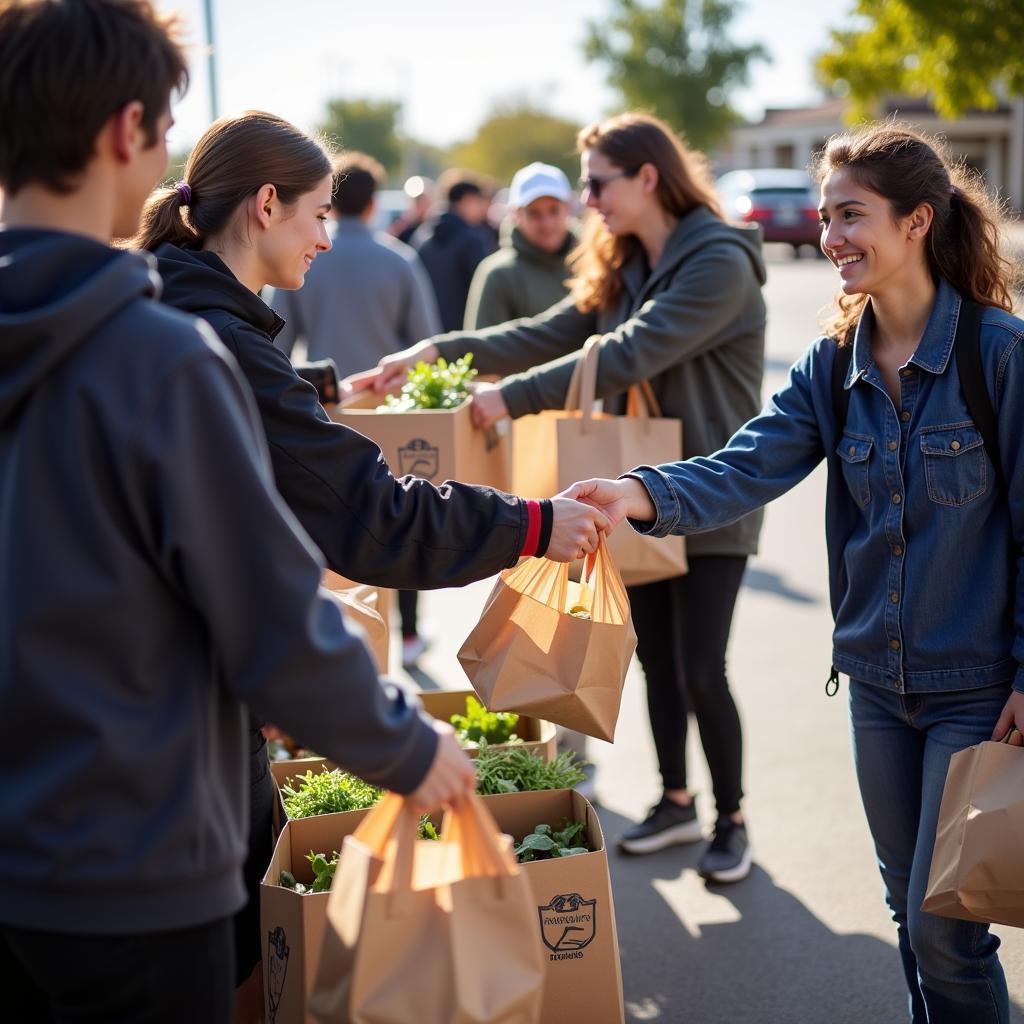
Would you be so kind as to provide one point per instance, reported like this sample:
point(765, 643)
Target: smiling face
point(296, 234)
point(872, 249)
point(623, 202)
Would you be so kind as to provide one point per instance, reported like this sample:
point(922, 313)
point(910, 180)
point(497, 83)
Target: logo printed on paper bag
point(278, 951)
point(419, 458)
point(568, 925)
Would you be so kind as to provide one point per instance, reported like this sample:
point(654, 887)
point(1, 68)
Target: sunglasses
point(595, 185)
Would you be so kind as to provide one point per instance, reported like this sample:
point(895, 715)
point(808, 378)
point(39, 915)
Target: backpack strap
point(972, 381)
point(840, 394)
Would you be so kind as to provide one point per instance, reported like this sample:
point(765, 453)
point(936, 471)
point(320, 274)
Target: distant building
point(992, 141)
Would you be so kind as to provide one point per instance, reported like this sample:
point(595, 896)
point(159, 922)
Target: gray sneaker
point(728, 856)
point(667, 824)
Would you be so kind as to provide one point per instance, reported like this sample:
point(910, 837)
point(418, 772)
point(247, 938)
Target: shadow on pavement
point(773, 583)
point(765, 959)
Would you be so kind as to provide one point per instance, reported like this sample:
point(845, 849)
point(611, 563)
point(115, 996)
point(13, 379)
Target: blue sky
point(449, 61)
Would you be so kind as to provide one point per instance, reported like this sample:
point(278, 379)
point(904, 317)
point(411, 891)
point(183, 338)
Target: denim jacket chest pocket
point(955, 463)
point(854, 450)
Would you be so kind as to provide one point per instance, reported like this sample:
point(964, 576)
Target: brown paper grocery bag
point(579, 442)
point(977, 871)
point(529, 654)
point(429, 931)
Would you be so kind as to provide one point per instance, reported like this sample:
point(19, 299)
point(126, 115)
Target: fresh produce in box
point(478, 726)
point(518, 771)
point(544, 844)
point(328, 793)
point(440, 385)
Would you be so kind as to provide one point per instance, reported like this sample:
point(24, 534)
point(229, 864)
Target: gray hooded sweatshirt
point(152, 585)
point(693, 325)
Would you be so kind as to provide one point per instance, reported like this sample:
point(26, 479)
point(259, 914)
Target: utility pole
point(211, 59)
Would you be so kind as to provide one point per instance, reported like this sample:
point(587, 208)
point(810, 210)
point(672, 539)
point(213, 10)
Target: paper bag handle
point(641, 402)
point(472, 826)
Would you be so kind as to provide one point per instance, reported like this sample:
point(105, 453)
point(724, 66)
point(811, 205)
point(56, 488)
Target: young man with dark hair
point(153, 584)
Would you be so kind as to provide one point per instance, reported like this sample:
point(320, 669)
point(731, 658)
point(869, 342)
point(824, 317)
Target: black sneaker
point(667, 824)
point(728, 857)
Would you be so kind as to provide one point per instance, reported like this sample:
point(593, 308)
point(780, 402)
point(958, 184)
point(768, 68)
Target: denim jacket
point(924, 546)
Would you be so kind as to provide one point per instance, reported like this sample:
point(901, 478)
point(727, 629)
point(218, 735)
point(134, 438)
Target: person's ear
point(648, 175)
point(125, 132)
point(919, 221)
point(265, 205)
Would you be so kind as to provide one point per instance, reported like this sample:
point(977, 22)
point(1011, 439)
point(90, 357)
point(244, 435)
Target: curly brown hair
point(909, 168)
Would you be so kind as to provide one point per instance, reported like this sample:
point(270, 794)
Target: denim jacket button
point(893, 445)
point(894, 645)
point(898, 550)
point(955, 445)
point(894, 597)
point(896, 499)
point(905, 416)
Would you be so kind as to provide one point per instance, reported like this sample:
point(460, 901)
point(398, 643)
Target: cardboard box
point(575, 911)
point(572, 896)
point(292, 925)
point(538, 736)
point(436, 444)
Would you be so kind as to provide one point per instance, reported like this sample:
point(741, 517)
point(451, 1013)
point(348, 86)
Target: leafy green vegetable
point(544, 844)
point(328, 793)
point(480, 726)
point(520, 771)
point(440, 385)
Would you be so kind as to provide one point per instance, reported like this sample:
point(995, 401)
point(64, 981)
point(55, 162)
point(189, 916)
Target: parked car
point(784, 202)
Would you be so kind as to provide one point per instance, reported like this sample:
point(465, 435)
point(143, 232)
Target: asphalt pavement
point(807, 937)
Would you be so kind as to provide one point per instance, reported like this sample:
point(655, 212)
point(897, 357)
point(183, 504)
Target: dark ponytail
point(908, 168)
point(233, 160)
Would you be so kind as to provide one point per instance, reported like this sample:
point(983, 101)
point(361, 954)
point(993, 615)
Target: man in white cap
point(528, 273)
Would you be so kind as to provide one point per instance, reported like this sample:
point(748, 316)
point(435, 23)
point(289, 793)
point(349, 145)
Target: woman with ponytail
point(250, 213)
point(924, 513)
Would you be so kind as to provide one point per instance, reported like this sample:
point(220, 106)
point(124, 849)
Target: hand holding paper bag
point(529, 653)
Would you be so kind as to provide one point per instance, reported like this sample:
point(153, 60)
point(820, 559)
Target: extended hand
point(487, 406)
point(391, 372)
point(616, 498)
point(1011, 718)
point(450, 777)
point(575, 529)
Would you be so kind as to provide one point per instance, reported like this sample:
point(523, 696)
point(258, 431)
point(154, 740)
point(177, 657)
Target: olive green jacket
point(694, 326)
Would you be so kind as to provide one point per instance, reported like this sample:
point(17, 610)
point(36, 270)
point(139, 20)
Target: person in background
point(675, 294)
point(420, 191)
point(451, 247)
point(924, 518)
point(153, 584)
point(529, 273)
point(367, 297)
point(253, 212)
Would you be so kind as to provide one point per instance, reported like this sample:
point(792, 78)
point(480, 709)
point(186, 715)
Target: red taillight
point(758, 213)
point(812, 215)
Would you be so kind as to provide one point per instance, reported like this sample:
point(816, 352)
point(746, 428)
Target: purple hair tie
point(953, 190)
point(185, 191)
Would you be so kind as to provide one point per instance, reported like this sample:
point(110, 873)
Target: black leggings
point(682, 627)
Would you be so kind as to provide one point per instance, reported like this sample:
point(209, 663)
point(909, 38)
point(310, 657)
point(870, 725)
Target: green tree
point(370, 126)
point(515, 134)
point(675, 59)
point(961, 55)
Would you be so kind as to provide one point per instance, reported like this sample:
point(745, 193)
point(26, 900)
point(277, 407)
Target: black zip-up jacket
point(451, 249)
point(371, 527)
point(152, 584)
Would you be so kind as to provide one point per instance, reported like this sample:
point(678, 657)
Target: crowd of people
point(171, 490)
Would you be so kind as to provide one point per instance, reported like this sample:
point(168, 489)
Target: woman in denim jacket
point(924, 540)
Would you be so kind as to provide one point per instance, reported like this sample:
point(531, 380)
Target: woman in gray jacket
point(676, 295)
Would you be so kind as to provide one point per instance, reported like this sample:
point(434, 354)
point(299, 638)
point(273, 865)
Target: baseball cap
point(536, 180)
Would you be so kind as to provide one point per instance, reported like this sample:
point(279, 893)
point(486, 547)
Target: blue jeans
point(902, 744)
